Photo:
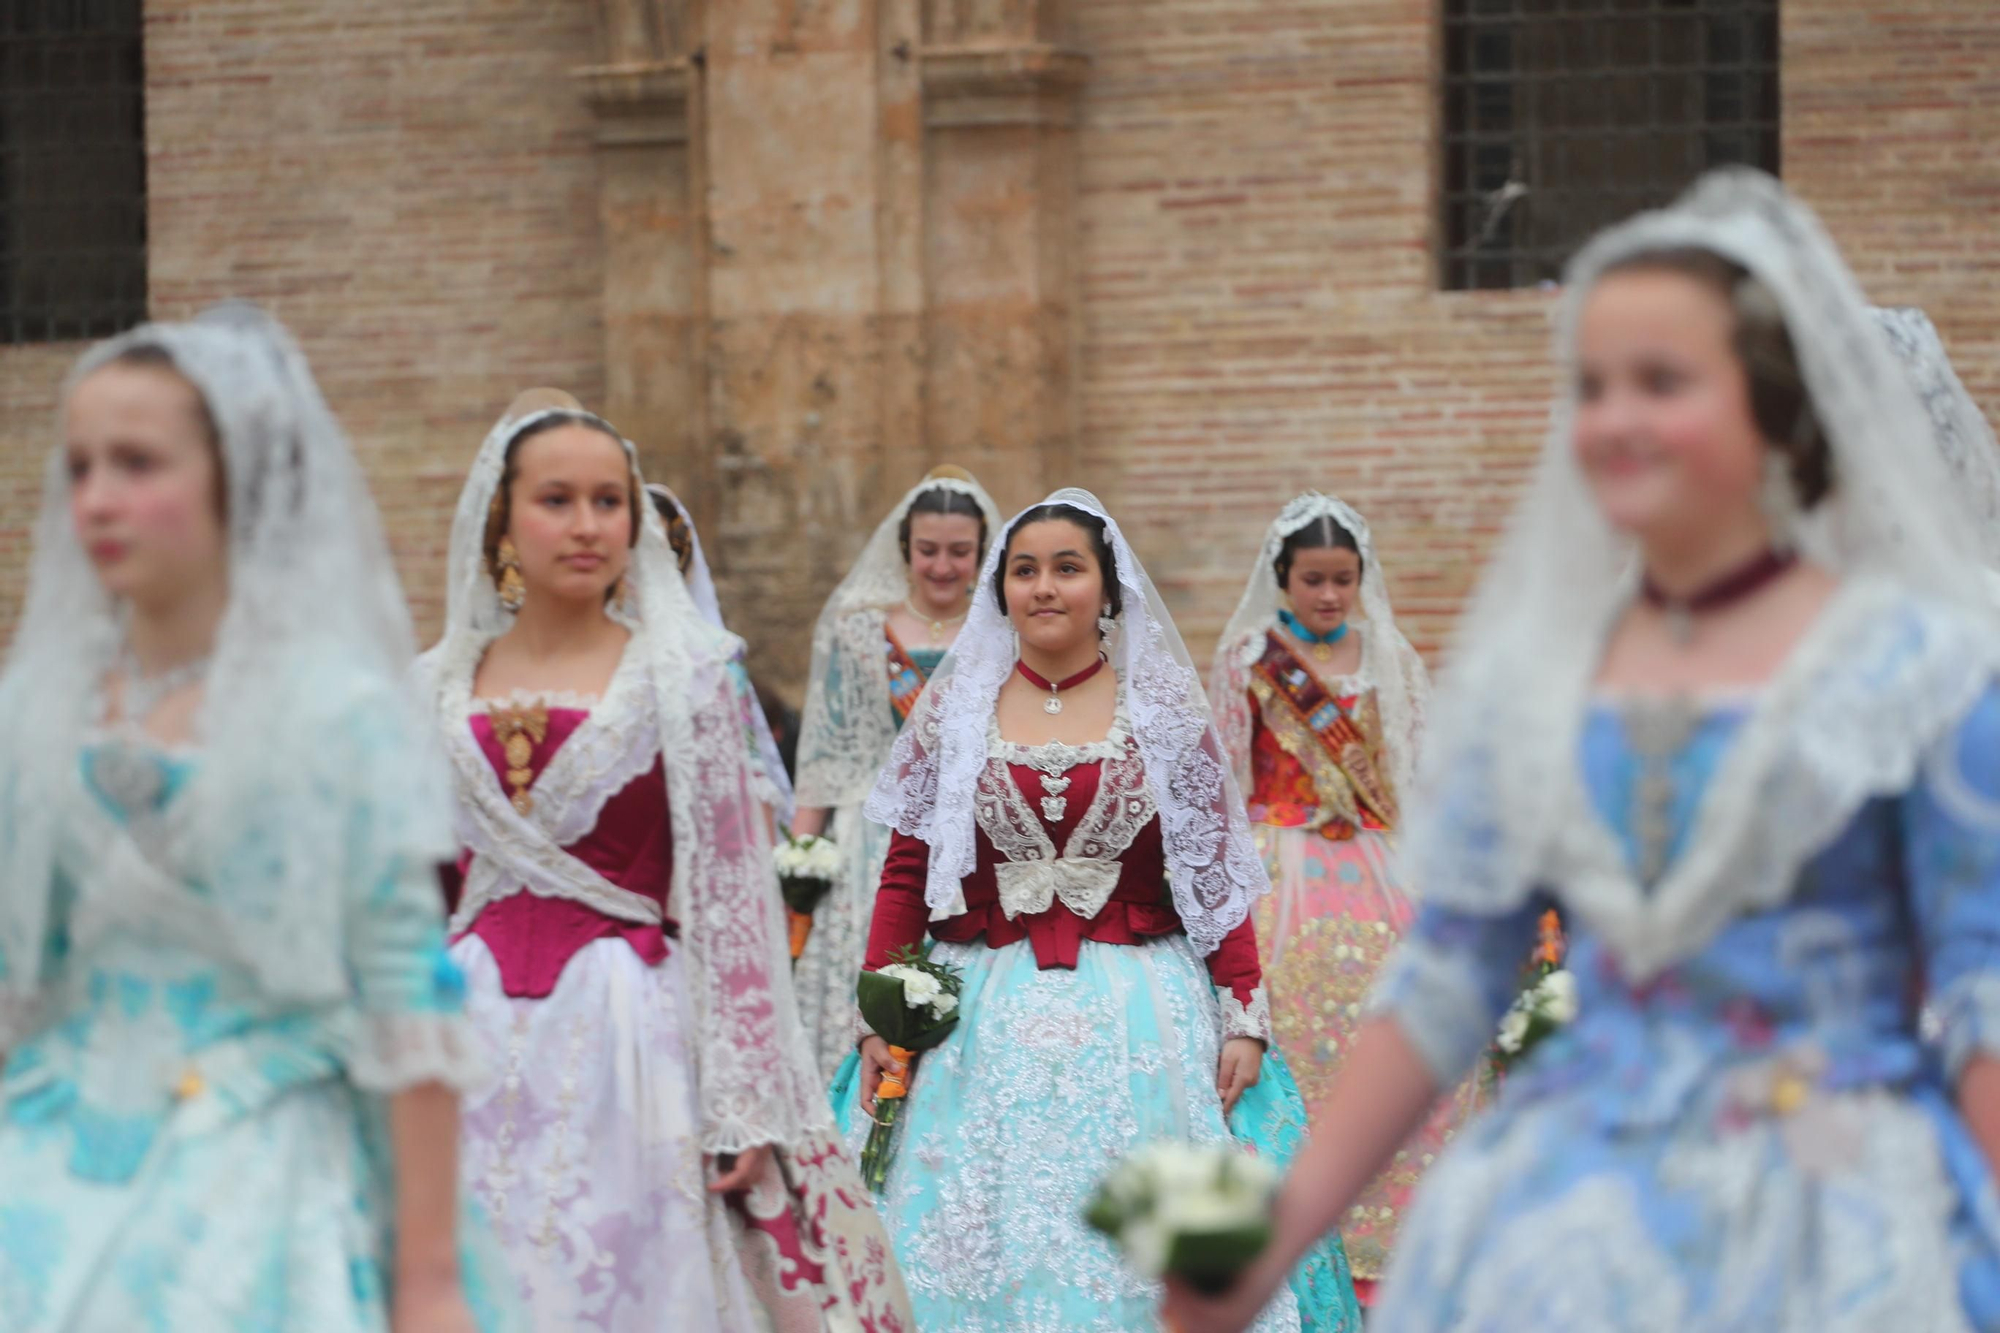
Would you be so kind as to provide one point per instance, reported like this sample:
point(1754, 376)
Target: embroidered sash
point(1338, 747)
point(906, 678)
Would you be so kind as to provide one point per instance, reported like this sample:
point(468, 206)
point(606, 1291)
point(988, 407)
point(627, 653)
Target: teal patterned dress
point(181, 1153)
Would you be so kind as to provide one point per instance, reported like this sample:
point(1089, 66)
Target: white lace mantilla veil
point(846, 727)
point(701, 587)
point(1388, 662)
point(1958, 426)
point(927, 789)
point(756, 1081)
point(305, 718)
point(1501, 809)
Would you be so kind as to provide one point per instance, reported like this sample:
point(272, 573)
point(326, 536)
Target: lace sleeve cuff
point(398, 1051)
point(1437, 1002)
point(1245, 1020)
point(1967, 1016)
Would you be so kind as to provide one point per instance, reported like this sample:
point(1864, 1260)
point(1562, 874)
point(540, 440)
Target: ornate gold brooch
point(519, 731)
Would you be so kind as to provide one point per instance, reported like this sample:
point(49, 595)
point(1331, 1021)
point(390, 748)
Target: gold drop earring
point(513, 591)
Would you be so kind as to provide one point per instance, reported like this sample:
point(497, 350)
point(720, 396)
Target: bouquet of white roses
point(807, 868)
point(1544, 1007)
point(1201, 1212)
point(912, 1004)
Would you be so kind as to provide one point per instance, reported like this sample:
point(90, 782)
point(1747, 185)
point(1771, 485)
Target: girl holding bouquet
point(1068, 833)
point(657, 1150)
point(1320, 700)
point(1727, 695)
point(881, 635)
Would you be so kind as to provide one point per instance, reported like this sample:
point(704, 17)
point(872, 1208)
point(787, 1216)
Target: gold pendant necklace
point(1322, 653)
point(937, 626)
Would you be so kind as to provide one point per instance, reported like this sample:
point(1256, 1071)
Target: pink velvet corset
point(532, 938)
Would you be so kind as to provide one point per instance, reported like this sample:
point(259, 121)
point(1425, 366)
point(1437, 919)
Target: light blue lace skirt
point(1047, 1081)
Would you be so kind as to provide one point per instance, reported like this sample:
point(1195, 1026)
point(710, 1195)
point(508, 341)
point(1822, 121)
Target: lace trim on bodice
point(610, 749)
point(1034, 876)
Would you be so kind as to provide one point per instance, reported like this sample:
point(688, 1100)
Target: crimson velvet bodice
point(1140, 908)
point(531, 937)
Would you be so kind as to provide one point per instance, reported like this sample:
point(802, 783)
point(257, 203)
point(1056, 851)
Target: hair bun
point(949, 472)
point(540, 400)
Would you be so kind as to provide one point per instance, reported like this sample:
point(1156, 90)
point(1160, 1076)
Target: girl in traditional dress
point(1067, 830)
point(232, 1035)
point(1320, 699)
point(883, 632)
point(657, 1152)
point(1728, 696)
point(770, 776)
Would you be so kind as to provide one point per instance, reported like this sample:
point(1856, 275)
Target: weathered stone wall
point(1179, 250)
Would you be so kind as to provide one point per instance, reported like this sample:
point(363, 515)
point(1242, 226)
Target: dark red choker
point(1732, 587)
point(1053, 704)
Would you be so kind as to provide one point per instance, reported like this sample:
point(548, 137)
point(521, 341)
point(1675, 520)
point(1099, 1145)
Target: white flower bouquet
point(1544, 1007)
point(1200, 1212)
point(912, 1004)
point(807, 868)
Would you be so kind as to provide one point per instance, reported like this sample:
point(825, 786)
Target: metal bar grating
point(1563, 116)
point(72, 169)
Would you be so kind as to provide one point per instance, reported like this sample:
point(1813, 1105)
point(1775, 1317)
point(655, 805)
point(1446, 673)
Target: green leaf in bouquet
point(885, 1011)
point(1210, 1261)
point(803, 894)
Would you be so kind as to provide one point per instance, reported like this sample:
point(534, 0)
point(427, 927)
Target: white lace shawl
point(930, 787)
point(1958, 427)
point(1895, 660)
point(847, 725)
point(775, 784)
point(315, 785)
point(673, 698)
point(1389, 665)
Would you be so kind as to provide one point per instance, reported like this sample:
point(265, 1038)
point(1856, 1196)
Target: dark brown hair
point(941, 500)
point(1100, 546)
point(501, 510)
point(1780, 404)
point(1322, 534)
point(680, 534)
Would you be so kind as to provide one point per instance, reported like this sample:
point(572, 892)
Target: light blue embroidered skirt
point(1048, 1080)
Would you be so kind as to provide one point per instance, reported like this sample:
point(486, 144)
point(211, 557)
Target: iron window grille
point(1564, 116)
point(72, 169)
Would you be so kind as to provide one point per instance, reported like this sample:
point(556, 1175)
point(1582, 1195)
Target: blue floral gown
point(181, 1154)
point(1759, 1138)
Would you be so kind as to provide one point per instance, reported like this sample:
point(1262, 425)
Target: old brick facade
point(1181, 250)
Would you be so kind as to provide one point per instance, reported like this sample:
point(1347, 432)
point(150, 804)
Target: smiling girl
point(1069, 835)
point(1727, 697)
point(879, 638)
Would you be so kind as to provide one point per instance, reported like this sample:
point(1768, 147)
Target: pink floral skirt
point(1332, 919)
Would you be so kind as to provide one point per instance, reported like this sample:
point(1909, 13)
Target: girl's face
point(1664, 431)
point(944, 558)
point(145, 484)
point(570, 513)
point(1055, 586)
point(1323, 586)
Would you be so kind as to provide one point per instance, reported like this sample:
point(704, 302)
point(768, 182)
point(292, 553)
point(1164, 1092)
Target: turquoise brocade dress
point(1762, 1137)
point(181, 1154)
point(1054, 1072)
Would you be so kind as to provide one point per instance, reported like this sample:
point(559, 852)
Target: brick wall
point(412, 188)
